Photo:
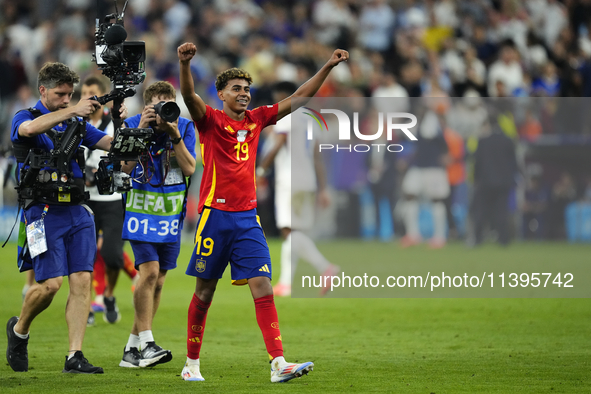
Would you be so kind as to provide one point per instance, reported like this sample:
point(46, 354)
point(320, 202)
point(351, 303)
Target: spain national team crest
point(200, 266)
point(242, 135)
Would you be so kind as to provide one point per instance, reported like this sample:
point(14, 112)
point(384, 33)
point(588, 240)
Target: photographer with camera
point(60, 228)
point(154, 213)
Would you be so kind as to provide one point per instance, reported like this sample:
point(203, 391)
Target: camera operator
point(154, 213)
point(69, 231)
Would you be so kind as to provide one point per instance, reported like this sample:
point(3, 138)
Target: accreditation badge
point(175, 174)
point(36, 238)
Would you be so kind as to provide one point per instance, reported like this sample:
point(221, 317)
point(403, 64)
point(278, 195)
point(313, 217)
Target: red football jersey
point(228, 151)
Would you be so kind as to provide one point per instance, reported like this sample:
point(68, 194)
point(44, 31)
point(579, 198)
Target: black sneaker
point(79, 364)
point(153, 355)
point(16, 351)
point(131, 358)
point(90, 321)
point(111, 314)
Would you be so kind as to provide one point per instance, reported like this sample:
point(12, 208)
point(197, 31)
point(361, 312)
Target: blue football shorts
point(229, 237)
point(166, 254)
point(70, 237)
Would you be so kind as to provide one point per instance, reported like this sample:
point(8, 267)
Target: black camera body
point(128, 145)
point(119, 60)
point(169, 111)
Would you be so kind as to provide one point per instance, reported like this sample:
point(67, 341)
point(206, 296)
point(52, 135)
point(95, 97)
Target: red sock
point(128, 266)
point(98, 279)
point(269, 325)
point(196, 326)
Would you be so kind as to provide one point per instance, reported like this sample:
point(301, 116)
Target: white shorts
point(430, 182)
point(294, 211)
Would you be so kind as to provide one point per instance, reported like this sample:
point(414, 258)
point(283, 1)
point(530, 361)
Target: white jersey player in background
point(300, 181)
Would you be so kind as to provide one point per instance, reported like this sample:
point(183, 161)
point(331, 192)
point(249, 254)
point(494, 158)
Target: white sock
point(133, 341)
point(21, 336)
point(145, 337)
point(309, 251)
point(99, 299)
point(190, 361)
point(439, 221)
point(285, 276)
point(411, 219)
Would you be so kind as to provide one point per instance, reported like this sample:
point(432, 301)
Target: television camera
point(120, 60)
point(123, 63)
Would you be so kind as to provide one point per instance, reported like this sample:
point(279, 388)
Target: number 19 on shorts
point(203, 247)
point(165, 227)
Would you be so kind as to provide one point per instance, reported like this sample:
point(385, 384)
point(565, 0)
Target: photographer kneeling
point(59, 227)
point(154, 213)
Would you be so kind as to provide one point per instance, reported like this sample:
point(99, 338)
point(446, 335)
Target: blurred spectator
point(382, 177)
point(413, 16)
point(468, 72)
point(531, 128)
point(468, 114)
point(534, 208)
point(411, 76)
point(548, 83)
point(555, 20)
point(390, 88)
point(376, 23)
point(563, 192)
point(335, 22)
point(486, 49)
point(510, 23)
point(456, 174)
point(495, 168)
point(177, 16)
point(506, 70)
point(427, 178)
point(535, 55)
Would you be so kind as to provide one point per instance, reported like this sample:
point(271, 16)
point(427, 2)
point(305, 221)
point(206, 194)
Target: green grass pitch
point(402, 345)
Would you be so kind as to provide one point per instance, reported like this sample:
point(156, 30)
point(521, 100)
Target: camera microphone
point(115, 34)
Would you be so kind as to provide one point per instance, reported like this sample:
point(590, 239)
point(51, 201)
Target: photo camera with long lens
point(120, 60)
point(128, 145)
point(169, 111)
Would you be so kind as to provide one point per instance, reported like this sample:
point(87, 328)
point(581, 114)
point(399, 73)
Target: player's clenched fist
point(339, 55)
point(186, 51)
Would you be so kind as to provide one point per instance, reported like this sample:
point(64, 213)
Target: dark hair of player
point(232, 73)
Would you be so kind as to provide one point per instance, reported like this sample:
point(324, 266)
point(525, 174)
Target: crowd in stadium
point(399, 48)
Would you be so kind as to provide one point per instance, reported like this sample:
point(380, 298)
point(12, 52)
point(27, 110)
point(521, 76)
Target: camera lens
point(168, 111)
point(133, 55)
point(134, 51)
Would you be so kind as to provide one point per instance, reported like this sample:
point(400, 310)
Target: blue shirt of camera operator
point(160, 202)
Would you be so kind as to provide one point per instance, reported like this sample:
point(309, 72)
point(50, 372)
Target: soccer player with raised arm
point(228, 229)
